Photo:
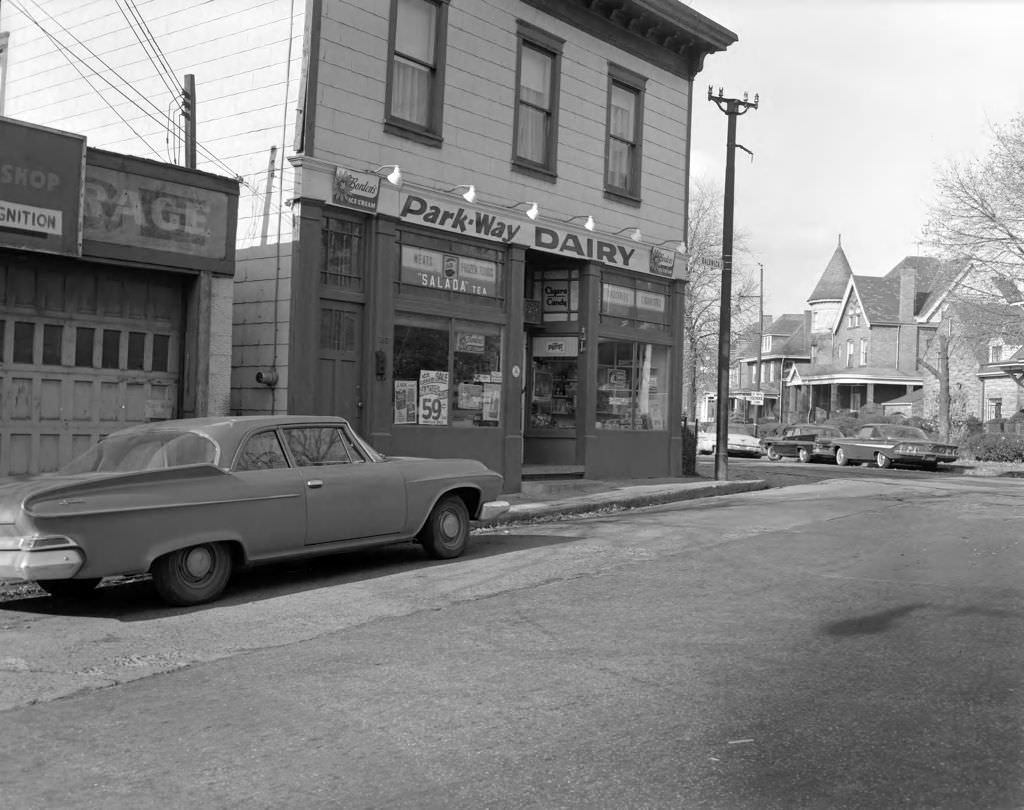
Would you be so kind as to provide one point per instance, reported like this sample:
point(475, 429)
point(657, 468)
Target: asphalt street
point(848, 644)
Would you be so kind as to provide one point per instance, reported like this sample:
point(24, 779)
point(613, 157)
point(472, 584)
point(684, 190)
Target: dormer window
point(766, 343)
point(995, 352)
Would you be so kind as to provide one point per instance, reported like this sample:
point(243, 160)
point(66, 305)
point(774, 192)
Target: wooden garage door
point(83, 352)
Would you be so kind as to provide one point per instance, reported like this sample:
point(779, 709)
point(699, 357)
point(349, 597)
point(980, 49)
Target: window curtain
point(534, 104)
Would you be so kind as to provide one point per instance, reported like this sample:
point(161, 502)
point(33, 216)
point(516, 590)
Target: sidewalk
point(560, 497)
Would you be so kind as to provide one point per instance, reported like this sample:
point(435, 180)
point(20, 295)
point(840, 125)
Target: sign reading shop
point(443, 271)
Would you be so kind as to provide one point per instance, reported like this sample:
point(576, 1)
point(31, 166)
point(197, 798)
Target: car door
point(348, 496)
point(268, 508)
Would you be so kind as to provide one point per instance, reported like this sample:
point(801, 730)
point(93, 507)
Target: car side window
point(319, 446)
point(262, 451)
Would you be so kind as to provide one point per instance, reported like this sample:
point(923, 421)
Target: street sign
point(756, 397)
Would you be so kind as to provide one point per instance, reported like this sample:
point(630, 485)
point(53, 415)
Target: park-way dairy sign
point(482, 225)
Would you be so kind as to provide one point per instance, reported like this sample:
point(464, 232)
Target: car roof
point(231, 424)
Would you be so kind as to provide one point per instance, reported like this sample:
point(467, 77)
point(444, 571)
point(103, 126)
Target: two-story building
point(470, 249)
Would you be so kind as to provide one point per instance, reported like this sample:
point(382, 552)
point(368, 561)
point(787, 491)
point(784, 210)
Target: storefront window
point(559, 294)
point(641, 305)
point(632, 386)
point(447, 373)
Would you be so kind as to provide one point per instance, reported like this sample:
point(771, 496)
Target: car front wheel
point(69, 588)
point(446, 532)
point(192, 575)
point(883, 461)
point(841, 458)
point(773, 454)
point(803, 455)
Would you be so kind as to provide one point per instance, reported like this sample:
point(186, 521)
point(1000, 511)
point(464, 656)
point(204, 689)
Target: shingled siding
point(479, 109)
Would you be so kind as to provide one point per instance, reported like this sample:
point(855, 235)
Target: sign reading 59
point(433, 410)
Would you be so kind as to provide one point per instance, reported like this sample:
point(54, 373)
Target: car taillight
point(36, 543)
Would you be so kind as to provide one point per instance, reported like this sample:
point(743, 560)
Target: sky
point(861, 104)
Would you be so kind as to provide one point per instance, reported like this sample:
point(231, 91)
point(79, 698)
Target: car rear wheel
point(773, 454)
point(883, 461)
point(69, 588)
point(841, 458)
point(803, 455)
point(446, 532)
point(192, 575)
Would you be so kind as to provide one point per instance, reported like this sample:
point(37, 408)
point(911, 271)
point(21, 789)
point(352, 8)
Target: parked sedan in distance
point(739, 444)
point(189, 500)
point(803, 442)
point(888, 445)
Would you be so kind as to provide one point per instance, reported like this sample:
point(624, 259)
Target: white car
point(740, 444)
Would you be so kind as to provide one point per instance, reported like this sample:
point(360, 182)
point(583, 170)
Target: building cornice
point(665, 33)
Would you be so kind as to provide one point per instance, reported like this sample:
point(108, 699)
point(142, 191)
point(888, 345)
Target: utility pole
point(760, 343)
point(733, 108)
point(188, 110)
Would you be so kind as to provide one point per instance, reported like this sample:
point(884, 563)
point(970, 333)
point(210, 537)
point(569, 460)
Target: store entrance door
point(552, 399)
point(337, 389)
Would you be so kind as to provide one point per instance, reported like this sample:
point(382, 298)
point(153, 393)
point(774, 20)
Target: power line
point(178, 129)
point(156, 45)
point(146, 46)
point(66, 53)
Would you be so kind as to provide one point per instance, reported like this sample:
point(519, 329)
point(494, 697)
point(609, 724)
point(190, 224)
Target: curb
point(618, 500)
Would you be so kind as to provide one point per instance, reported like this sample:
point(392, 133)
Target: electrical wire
point(168, 122)
point(146, 46)
point(66, 53)
point(152, 39)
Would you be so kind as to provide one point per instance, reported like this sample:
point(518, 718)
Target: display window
point(447, 373)
point(632, 385)
point(639, 305)
point(554, 382)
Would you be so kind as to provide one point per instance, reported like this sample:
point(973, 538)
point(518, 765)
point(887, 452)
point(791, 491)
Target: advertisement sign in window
point(617, 301)
point(443, 271)
point(433, 399)
point(405, 402)
point(40, 188)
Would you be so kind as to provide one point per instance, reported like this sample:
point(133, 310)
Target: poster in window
point(405, 402)
point(491, 402)
point(470, 396)
point(433, 400)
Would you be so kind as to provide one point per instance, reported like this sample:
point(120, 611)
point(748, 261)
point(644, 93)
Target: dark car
point(889, 445)
point(803, 442)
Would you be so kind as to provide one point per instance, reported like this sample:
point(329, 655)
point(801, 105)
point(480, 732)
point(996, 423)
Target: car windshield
point(147, 450)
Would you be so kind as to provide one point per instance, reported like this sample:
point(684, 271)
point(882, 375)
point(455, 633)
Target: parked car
point(803, 442)
point(739, 444)
point(889, 445)
point(189, 500)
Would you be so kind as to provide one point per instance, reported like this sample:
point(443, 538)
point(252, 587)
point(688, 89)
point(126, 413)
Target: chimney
point(908, 293)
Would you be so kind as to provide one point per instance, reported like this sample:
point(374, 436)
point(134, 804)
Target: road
point(853, 643)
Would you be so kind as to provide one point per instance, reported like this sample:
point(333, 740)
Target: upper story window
point(766, 343)
point(535, 141)
point(849, 354)
point(624, 132)
point(863, 352)
point(415, 93)
point(853, 317)
point(995, 352)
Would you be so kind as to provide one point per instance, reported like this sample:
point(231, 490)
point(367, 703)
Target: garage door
point(83, 352)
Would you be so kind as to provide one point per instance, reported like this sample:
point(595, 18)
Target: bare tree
point(977, 221)
point(703, 298)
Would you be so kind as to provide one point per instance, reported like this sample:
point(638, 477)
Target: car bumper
point(56, 563)
point(493, 509)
